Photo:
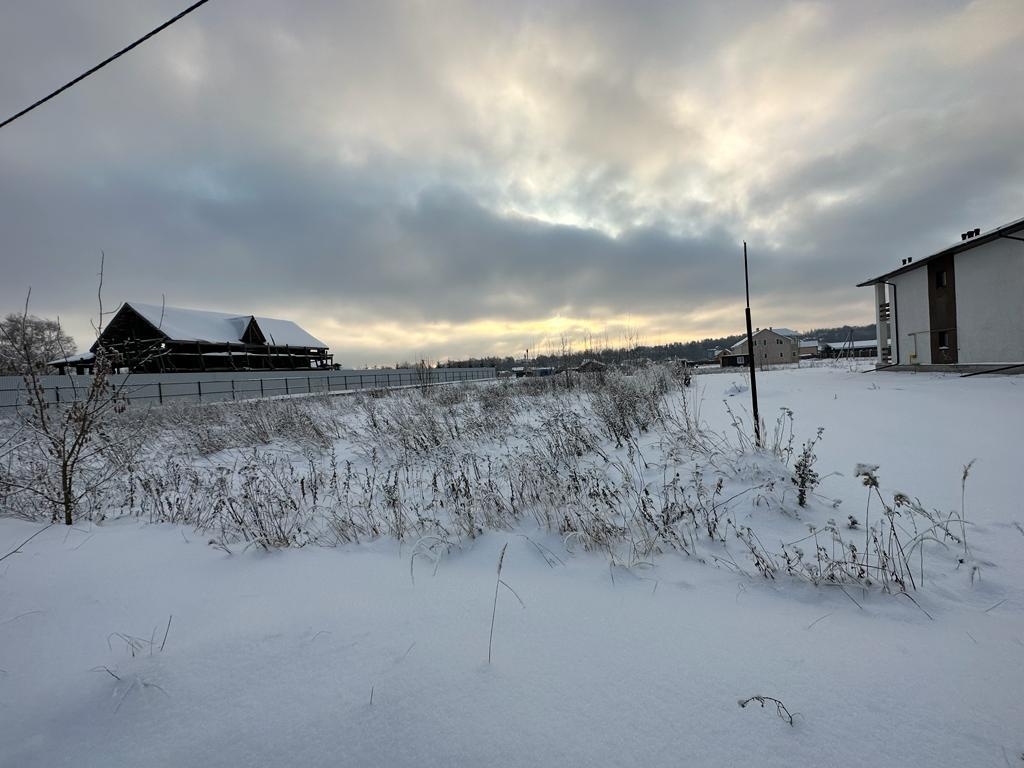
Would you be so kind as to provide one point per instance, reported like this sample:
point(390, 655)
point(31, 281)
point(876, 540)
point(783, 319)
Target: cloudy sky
point(435, 179)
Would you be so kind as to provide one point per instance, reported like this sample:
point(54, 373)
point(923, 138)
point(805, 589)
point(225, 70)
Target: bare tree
point(424, 374)
point(27, 341)
point(75, 451)
point(565, 355)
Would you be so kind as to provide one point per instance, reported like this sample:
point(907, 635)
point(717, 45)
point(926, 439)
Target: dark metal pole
point(750, 352)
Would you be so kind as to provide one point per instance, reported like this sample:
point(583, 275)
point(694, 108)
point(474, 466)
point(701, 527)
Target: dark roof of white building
point(963, 245)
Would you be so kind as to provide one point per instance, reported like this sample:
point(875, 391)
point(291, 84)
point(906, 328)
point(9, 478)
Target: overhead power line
point(104, 63)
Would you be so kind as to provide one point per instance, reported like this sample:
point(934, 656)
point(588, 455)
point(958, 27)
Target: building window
point(940, 278)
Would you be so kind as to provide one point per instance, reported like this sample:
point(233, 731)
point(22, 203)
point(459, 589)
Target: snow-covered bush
point(626, 404)
point(805, 478)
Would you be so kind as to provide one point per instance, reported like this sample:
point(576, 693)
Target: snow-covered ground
point(327, 656)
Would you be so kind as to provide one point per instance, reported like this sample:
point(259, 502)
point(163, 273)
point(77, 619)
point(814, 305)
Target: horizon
point(596, 343)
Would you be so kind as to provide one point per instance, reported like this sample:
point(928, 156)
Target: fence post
point(56, 391)
point(261, 386)
point(160, 392)
point(309, 386)
point(232, 389)
point(199, 390)
point(286, 390)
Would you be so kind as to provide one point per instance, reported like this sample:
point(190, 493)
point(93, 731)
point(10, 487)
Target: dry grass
point(617, 463)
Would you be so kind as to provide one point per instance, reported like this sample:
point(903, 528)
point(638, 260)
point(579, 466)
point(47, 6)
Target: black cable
point(104, 63)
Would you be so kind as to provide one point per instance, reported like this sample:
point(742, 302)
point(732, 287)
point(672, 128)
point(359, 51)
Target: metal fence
point(160, 388)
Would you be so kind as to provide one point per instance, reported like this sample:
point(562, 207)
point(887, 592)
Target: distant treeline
point(678, 350)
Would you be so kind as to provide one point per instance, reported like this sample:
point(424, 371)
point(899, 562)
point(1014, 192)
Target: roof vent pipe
point(977, 231)
point(963, 236)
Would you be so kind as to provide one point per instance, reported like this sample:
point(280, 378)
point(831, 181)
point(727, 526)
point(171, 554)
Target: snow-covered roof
point(221, 327)
point(781, 331)
point(866, 344)
point(285, 333)
point(84, 357)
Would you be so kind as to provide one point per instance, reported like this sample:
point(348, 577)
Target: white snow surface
point(272, 658)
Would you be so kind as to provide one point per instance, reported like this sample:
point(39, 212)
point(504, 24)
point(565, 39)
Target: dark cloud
point(465, 172)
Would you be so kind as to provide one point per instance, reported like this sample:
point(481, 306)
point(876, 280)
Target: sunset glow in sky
point(445, 179)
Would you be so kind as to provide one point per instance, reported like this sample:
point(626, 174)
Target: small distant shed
point(591, 366)
point(80, 364)
point(809, 348)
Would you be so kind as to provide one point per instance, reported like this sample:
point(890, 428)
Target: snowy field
point(332, 587)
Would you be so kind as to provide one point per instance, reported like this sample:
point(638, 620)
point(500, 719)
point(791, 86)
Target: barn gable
point(147, 337)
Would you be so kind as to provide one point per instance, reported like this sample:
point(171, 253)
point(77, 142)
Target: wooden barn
point(145, 338)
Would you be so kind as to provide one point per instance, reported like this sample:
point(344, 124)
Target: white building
point(962, 305)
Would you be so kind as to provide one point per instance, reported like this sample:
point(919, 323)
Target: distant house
point(772, 346)
point(145, 338)
point(809, 348)
point(867, 348)
point(729, 359)
point(961, 305)
point(531, 371)
point(591, 366)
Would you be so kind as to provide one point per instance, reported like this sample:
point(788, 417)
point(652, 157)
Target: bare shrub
point(626, 404)
point(805, 478)
point(449, 394)
point(77, 448)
